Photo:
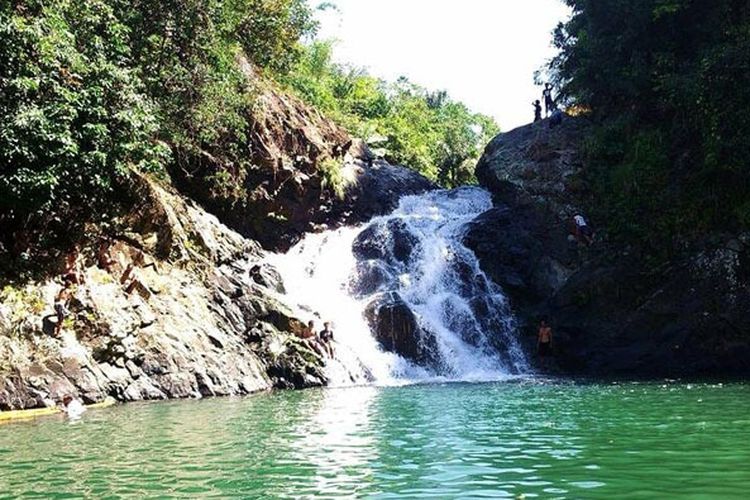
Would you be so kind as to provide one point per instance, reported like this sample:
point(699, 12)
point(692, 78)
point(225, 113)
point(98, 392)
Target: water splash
point(415, 256)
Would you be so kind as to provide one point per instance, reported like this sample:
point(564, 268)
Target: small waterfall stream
point(402, 274)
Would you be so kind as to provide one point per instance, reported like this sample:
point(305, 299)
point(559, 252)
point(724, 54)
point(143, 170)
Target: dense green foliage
point(424, 130)
point(668, 84)
point(92, 90)
point(73, 115)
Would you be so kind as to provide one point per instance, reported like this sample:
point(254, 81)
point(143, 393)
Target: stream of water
point(414, 253)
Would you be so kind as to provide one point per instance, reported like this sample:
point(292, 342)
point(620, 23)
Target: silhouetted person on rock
point(549, 103)
point(544, 340)
point(537, 110)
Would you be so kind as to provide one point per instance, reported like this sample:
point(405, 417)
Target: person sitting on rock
point(544, 339)
point(583, 232)
point(103, 257)
point(326, 338)
point(537, 110)
point(308, 331)
point(62, 299)
point(131, 281)
point(140, 260)
point(309, 339)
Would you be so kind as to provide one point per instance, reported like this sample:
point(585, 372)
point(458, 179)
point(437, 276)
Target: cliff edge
point(614, 311)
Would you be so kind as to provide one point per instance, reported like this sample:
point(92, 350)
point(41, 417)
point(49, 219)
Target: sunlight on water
point(530, 438)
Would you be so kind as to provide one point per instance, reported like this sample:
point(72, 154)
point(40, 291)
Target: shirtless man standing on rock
point(544, 339)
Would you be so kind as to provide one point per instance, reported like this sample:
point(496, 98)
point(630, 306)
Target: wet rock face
point(370, 276)
point(520, 254)
point(390, 242)
point(396, 329)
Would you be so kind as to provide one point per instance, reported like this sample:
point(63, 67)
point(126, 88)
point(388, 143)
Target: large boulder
point(397, 330)
point(211, 321)
point(389, 241)
point(613, 311)
point(370, 276)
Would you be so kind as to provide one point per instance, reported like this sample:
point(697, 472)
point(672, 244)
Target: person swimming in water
point(72, 407)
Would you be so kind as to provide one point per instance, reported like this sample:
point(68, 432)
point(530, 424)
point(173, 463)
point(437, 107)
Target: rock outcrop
point(307, 174)
point(196, 323)
point(613, 312)
point(397, 330)
point(202, 315)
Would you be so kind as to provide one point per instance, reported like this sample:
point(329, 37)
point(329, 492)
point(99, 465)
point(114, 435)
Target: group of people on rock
point(322, 342)
point(550, 108)
point(73, 275)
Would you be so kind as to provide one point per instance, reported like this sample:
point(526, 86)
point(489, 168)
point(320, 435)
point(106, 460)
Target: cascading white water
point(415, 256)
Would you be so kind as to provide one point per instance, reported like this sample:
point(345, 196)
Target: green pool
point(521, 439)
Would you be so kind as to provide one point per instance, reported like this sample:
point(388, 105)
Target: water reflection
point(336, 439)
point(539, 440)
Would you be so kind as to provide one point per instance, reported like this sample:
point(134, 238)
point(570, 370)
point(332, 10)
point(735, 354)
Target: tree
point(668, 82)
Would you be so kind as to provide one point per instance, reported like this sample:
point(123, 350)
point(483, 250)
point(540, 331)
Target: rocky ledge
point(613, 313)
point(307, 174)
point(197, 323)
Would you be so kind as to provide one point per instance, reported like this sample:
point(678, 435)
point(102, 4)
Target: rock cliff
point(307, 174)
point(613, 311)
point(201, 315)
point(197, 322)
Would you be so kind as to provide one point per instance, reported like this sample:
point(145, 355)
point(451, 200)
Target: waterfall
point(407, 300)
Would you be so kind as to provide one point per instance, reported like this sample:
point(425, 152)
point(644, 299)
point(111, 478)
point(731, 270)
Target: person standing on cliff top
point(544, 339)
point(537, 110)
point(549, 103)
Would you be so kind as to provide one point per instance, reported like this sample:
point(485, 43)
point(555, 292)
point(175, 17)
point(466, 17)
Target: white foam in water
point(441, 282)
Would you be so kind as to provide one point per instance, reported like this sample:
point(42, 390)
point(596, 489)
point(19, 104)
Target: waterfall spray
point(405, 282)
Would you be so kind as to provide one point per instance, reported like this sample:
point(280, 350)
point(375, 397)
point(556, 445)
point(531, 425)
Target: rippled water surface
point(518, 439)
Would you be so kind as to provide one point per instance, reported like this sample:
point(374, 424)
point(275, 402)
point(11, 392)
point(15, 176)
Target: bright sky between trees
point(483, 52)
